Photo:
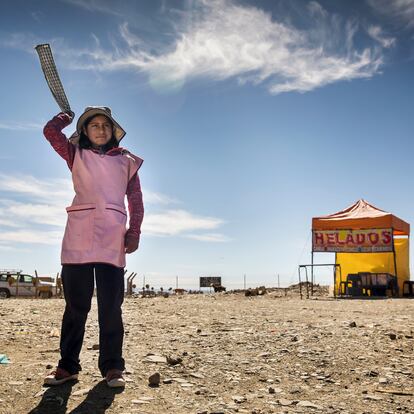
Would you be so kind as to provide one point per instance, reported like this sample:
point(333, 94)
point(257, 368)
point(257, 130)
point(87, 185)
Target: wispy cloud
point(401, 11)
point(224, 40)
point(20, 126)
point(31, 237)
point(8, 248)
point(377, 34)
point(95, 6)
point(175, 222)
point(37, 16)
point(26, 213)
point(221, 39)
point(56, 191)
point(32, 210)
point(24, 41)
point(209, 237)
point(157, 198)
point(4, 222)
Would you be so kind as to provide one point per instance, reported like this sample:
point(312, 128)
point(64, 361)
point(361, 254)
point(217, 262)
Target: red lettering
point(373, 237)
point(386, 237)
point(349, 239)
point(331, 238)
point(338, 241)
point(360, 238)
point(318, 238)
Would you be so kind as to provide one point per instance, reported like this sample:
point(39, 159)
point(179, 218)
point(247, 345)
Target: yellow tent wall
point(376, 263)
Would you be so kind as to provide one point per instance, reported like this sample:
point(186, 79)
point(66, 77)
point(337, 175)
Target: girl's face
point(99, 130)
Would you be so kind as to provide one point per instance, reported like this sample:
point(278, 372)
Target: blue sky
point(252, 117)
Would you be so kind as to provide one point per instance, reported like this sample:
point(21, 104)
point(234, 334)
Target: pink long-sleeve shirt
point(53, 133)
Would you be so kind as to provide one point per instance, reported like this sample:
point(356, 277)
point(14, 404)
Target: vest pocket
point(115, 228)
point(79, 227)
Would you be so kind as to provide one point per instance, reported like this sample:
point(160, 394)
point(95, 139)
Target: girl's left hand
point(131, 243)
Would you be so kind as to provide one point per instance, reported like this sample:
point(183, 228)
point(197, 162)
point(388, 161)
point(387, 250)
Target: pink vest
point(96, 224)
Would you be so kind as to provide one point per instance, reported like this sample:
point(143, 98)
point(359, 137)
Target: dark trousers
point(78, 286)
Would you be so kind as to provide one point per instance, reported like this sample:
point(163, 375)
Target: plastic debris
point(4, 359)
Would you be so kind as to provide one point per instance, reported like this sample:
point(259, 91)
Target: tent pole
point(340, 272)
point(307, 282)
point(340, 278)
point(312, 267)
point(395, 261)
point(335, 277)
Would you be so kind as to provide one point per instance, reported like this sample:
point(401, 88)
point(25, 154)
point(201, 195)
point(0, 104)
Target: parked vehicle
point(15, 283)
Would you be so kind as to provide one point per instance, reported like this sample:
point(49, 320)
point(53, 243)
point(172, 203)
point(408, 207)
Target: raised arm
point(136, 214)
point(53, 133)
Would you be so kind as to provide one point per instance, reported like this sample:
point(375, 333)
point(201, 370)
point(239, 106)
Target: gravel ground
point(221, 353)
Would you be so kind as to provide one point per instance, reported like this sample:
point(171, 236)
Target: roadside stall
point(371, 249)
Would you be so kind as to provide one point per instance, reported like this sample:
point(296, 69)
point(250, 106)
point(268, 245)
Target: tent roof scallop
point(361, 215)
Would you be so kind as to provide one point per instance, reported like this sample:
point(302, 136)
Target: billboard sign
point(209, 281)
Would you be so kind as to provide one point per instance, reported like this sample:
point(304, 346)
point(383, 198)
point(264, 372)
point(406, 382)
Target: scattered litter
point(4, 359)
point(155, 358)
point(394, 391)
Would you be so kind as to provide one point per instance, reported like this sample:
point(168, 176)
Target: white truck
point(15, 283)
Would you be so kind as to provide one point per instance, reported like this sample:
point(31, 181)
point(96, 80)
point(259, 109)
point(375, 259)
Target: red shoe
point(59, 376)
point(114, 378)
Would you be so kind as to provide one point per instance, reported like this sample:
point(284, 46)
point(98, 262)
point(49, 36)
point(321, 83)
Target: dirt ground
point(227, 353)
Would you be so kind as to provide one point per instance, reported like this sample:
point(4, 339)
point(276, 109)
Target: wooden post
point(131, 283)
point(36, 284)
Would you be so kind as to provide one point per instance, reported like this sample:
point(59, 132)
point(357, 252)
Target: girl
point(95, 239)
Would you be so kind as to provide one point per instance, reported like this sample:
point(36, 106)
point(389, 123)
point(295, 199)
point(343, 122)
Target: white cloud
point(36, 205)
point(377, 34)
point(8, 223)
point(31, 237)
point(20, 126)
point(95, 6)
point(209, 237)
point(56, 191)
point(37, 16)
point(223, 39)
point(402, 11)
point(26, 213)
point(7, 248)
point(34, 212)
point(316, 9)
point(19, 41)
point(157, 198)
point(175, 222)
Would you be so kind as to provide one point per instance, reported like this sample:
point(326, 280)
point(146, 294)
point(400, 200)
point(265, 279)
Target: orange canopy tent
point(339, 230)
point(361, 215)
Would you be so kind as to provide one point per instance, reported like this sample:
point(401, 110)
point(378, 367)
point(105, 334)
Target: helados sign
point(363, 241)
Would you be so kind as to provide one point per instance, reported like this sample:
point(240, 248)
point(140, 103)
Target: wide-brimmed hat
point(92, 111)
